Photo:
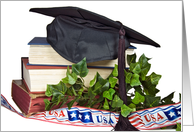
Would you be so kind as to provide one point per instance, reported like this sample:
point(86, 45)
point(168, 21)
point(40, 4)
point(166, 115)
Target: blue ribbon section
point(75, 115)
point(173, 114)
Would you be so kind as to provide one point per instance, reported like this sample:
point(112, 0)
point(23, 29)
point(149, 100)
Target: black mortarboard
point(76, 33)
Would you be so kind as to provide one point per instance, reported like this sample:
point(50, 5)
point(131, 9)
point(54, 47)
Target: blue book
point(41, 53)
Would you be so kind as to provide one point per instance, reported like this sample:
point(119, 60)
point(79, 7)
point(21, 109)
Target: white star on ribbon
point(80, 116)
point(87, 117)
point(73, 115)
point(172, 114)
point(179, 113)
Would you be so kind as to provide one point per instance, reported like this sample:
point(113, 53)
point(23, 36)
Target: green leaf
point(178, 127)
point(56, 98)
point(91, 93)
point(125, 110)
point(128, 77)
point(47, 104)
point(151, 101)
point(132, 106)
point(138, 98)
point(65, 80)
point(80, 68)
point(135, 80)
point(143, 61)
point(80, 91)
point(115, 71)
point(106, 105)
point(113, 81)
point(73, 91)
point(70, 104)
point(139, 90)
point(68, 71)
point(101, 84)
point(117, 102)
point(72, 78)
point(109, 94)
point(59, 88)
point(179, 97)
point(64, 101)
point(135, 68)
point(49, 91)
point(144, 71)
point(131, 59)
point(92, 82)
point(168, 99)
point(155, 78)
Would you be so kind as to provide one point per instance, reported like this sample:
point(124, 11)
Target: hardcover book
point(41, 52)
point(37, 77)
point(28, 103)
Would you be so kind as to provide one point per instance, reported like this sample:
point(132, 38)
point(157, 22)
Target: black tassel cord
point(123, 123)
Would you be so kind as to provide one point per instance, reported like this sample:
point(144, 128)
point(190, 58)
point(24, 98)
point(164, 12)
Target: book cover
point(28, 103)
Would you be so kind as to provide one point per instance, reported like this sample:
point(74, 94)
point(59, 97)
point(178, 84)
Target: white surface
point(160, 21)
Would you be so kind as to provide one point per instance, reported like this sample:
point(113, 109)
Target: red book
point(28, 103)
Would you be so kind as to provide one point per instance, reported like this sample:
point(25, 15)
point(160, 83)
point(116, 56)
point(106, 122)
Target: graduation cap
point(76, 33)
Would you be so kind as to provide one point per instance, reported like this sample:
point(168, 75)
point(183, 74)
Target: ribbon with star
point(146, 119)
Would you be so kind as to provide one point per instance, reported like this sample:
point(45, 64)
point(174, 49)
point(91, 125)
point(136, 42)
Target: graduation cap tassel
point(123, 122)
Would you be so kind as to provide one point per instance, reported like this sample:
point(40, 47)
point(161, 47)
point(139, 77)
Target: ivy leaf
point(135, 68)
point(131, 59)
point(113, 81)
point(59, 88)
point(139, 90)
point(70, 104)
point(73, 91)
point(80, 91)
point(117, 102)
point(125, 110)
point(115, 71)
point(143, 61)
point(151, 101)
point(80, 68)
point(56, 98)
point(49, 91)
point(178, 127)
point(144, 71)
point(138, 98)
point(155, 78)
point(64, 101)
point(92, 82)
point(91, 93)
point(132, 106)
point(135, 80)
point(109, 94)
point(106, 105)
point(168, 99)
point(47, 104)
point(68, 71)
point(72, 78)
point(128, 77)
point(101, 84)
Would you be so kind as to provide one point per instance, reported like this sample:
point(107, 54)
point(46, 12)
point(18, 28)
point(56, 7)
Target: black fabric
point(76, 33)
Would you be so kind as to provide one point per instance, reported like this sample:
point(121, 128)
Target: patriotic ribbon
point(146, 119)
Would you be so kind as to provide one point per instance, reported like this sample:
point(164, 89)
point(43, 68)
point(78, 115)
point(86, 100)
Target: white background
point(160, 21)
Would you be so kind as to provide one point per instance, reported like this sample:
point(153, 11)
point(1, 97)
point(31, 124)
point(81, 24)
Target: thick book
point(41, 52)
point(37, 77)
point(28, 103)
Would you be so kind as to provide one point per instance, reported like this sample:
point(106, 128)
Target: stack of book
point(45, 66)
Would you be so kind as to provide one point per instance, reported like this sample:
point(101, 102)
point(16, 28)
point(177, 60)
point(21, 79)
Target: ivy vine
point(103, 93)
